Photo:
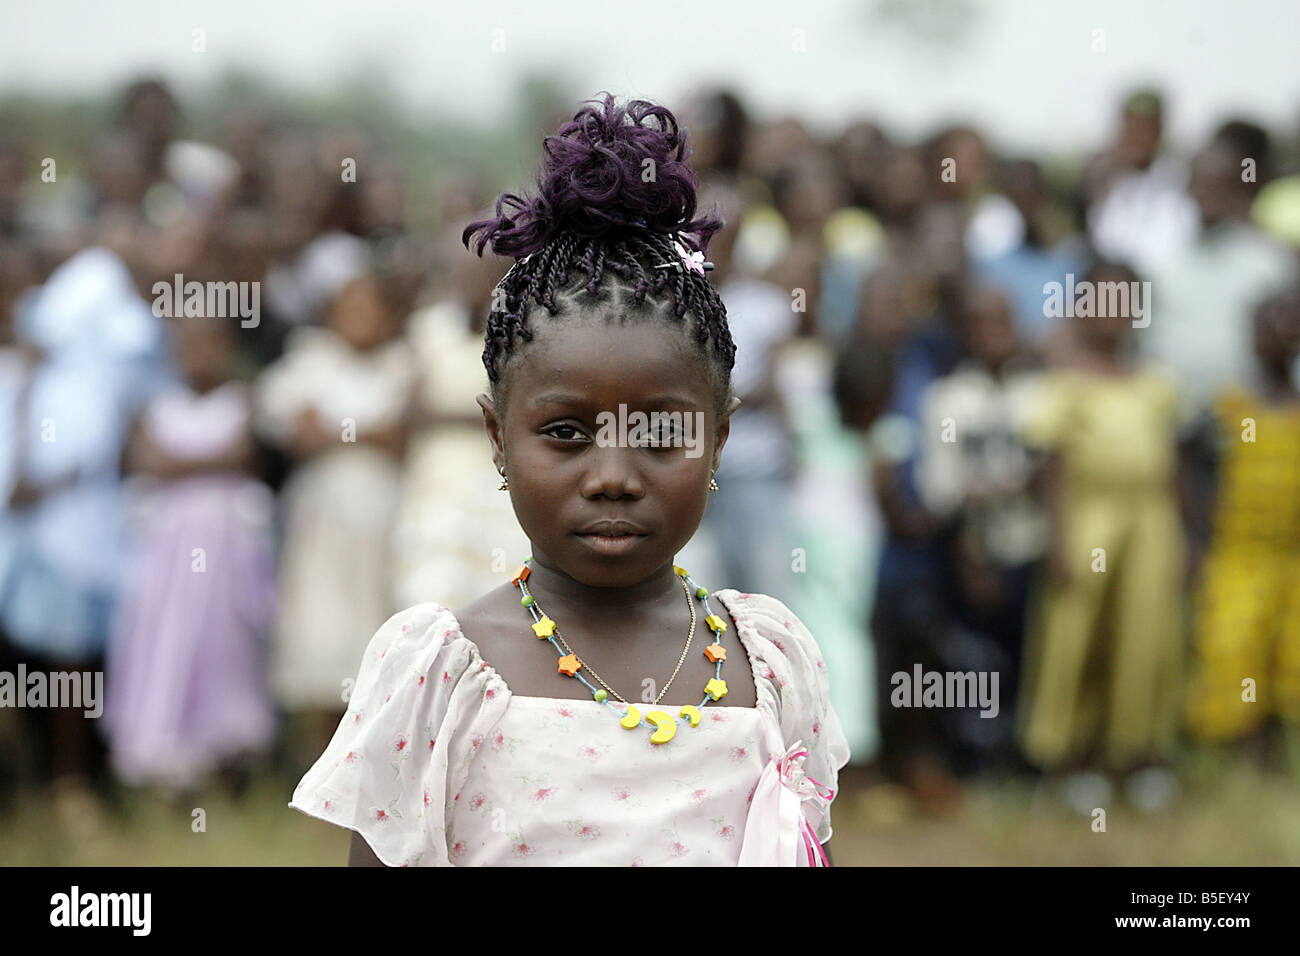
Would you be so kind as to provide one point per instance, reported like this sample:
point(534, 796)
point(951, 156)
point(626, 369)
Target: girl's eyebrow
point(559, 398)
point(573, 401)
point(672, 400)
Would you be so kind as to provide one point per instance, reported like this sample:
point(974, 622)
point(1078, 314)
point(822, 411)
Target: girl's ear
point(493, 425)
point(723, 432)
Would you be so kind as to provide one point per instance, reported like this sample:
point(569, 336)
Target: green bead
point(601, 695)
point(701, 592)
point(526, 600)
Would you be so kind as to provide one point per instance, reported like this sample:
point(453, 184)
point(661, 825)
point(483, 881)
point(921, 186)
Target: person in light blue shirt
point(1011, 249)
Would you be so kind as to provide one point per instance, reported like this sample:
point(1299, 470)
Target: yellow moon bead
point(665, 727)
point(631, 718)
point(716, 688)
point(691, 713)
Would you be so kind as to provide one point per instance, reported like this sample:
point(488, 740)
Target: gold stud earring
point(713, 485)
point(505, 482)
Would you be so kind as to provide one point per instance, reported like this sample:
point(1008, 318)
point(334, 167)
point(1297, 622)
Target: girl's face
point(361, 316)
point(566, 479)
point(989, 329)
point(883, 314)
point(1106, 330)
point(204, 349)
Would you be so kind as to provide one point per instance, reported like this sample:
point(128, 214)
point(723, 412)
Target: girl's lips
point(612, 545)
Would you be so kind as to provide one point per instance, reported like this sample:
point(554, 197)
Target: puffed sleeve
point(804, 707)
point(423, 701)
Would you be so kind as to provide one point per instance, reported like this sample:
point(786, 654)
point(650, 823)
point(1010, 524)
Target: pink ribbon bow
point(776, 820)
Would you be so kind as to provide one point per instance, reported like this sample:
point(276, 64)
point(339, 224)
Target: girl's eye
point(563, 432)
point(659, 438)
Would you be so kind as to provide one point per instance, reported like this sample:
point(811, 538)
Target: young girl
point(974, 474)
point(450, 506)
point(1102, 665)
point(99, 348)
point(603, 708)
point(1248, 620)
point(186, 687)
point(338, 400)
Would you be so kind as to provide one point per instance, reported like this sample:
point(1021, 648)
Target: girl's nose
point(613, 474)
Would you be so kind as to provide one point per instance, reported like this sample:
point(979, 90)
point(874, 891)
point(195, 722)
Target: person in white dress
point(338, 400)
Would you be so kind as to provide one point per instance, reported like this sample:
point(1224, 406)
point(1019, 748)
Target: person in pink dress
point(600, 707)
point(186, 691)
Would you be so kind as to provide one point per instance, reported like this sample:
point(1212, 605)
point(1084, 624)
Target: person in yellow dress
point(1247, 636)
point(1104, 652)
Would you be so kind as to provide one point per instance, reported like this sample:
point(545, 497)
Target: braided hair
point(596, 231)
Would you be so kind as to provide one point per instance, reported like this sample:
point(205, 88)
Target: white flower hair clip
point(694, 261)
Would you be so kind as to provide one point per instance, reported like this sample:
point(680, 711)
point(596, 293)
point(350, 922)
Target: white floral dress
point(437, 763)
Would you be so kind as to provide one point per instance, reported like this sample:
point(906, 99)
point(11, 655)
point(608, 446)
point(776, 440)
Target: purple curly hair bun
point(610, 170)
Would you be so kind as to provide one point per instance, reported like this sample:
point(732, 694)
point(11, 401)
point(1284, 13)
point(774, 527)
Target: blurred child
point(973, 468)
point(98, 345)
point(912, 614)
point(339, 401)
point(755, 555)
point(186, 666)
point(1247, 644)
point(1103, 662)
point(450, 503)
point(17, 278)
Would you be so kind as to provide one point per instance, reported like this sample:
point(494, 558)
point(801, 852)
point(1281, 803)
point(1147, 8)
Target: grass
point(148, 829)
point(1231, 814)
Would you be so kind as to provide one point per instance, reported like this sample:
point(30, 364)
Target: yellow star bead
point(691, 713)
point(715, 652)
point(680, 572)
point(715, 622)
point(570, 665)
point(716, 688)
point(544, 628)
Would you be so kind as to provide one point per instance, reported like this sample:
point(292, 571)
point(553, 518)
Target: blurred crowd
point(939, 463)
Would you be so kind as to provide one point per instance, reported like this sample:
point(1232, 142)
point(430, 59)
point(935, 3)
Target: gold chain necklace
point(690, 635)
point(661, 722)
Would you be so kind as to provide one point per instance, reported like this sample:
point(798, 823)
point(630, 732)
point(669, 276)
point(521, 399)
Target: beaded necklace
point(665, 727)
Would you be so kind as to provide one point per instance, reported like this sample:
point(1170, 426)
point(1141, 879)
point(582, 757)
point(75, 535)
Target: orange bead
point(570, 665)
point(521, 574)
point(715, 652)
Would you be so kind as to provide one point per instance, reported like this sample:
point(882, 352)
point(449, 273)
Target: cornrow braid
point(599, 220)
point(533, 282)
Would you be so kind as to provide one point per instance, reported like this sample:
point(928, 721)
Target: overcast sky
point(1026, 72)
